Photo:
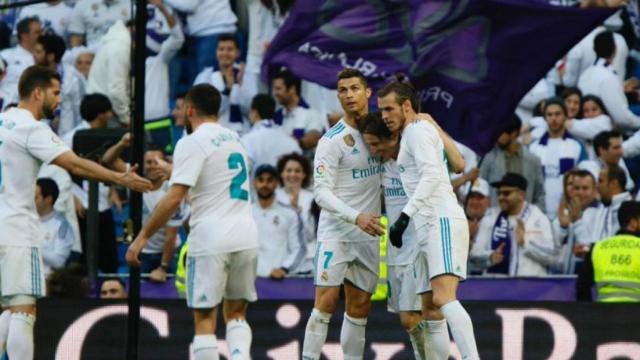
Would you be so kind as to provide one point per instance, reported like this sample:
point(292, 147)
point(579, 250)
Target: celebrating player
point(347, 188)
point(223, 244)
point(440, 223)
point(26, 143)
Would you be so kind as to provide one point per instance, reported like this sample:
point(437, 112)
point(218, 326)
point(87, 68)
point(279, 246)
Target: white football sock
point(5, 320)
point(418, 336)
point(438, 339)
point(315, 334)
point(20, 337)
point(461, 329)
point(352, 337)
point(239, 339)
point(205, 347)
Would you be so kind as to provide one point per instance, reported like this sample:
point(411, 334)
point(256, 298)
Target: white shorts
point(402, 294)
point(230, 276)
point(444, 249)
point(21, 275)
point(357, 262)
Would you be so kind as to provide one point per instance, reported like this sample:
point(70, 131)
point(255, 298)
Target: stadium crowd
point(549, 189)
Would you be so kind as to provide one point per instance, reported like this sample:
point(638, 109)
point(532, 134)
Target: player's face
point(265, 185)
point(591, 109)
point(572, 103)
point(554, 115)
point(353, 95)
point(151, 169)
point(111, 289)
point(509, 198)
point(293, 175)
point(391, 112)
point(83, 63)
point(227, 53)
point(385, 148)
point(51, 99)
point(39, 55)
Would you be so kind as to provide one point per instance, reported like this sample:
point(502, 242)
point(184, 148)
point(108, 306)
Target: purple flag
point(471, 60)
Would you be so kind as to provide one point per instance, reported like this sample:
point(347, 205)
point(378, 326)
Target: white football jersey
point(213, 163)
point(347, 182)
point(395, 199)
point(425, 176)
point(150, 200)
point(25, 144)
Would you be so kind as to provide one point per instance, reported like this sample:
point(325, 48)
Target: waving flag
point(471, 60)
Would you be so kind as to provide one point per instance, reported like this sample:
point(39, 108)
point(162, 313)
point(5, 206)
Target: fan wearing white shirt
point(441, 225)
point(266, 142)
point(26, 143)
point(609, 152)
point(91, 19)
point(280, 231)
point(211, 163)
point(19, 57)
point(601, 80)
point(54, 16)
point(58, 235)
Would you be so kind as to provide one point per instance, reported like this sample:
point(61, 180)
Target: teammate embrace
point(429, 226)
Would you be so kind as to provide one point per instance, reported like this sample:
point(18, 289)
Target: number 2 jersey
point(25, 144)
point(213, 163)
point(425, 176)
point(346, 183)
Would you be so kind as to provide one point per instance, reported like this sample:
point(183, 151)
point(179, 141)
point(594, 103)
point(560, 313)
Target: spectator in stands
point(295, 116)
point(178, 116)
point(601, 80)
point(631, 146)
point(226, 78)
point(207, 20)
point(157, 256)
point(113, 288)
point(92, 19)
point(74, 87)
point(470, 173)
point(54, 16)
point(608, 149)
point(280, 234)
point(162, 45)
point(477, 204)
point(48, 51)
point(572, 100)
point(613, 264)
point(510, 156)
point(68, 283)
point(515, 238)
point(96, 110)
point(20, 56)
point(295, 179)
point(266, 142)
point(600, 223)
point(558, 152)
point(595, 119)
point(58, 235)
point(109, 73)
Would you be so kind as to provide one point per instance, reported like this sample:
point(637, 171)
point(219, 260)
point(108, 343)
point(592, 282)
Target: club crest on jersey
point(324, 276)
point(320, 171)
point(349, 140)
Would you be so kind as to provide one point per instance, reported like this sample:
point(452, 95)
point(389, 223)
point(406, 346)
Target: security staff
point(613, 264)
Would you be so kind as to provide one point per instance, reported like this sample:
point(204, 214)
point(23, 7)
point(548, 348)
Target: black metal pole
point(137, 157)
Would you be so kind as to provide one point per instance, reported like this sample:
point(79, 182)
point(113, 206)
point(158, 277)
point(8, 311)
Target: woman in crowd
point(595, 119)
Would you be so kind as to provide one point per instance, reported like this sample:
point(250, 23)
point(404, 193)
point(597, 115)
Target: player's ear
point(367, 91)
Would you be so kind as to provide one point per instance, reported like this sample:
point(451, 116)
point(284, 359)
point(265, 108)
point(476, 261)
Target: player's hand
point(497, 256)
point(134, 181)
point(158, 274)
point(277, 274)
point(133, 252)
point(370, 224)
point(397, 229)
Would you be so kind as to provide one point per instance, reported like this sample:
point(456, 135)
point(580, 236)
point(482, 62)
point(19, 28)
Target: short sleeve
point(188, 160)
point(44, 144)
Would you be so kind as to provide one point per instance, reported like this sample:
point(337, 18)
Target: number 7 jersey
point(213, 163)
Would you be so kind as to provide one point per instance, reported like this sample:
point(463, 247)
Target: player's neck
point(410, 118)
point(32, 108)
point(267, 202)
point(352, 119)
point(197, 121)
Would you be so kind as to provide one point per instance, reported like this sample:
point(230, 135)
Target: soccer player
point(429, 337)
point(223, 242)
point(347, 188)
point(26, 143)
point(440, 223)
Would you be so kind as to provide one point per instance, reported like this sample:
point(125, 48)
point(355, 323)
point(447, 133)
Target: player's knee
point(432, 315)
point(409, 321)
point(358, 309)
point(327, 302)
point(440, 300)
